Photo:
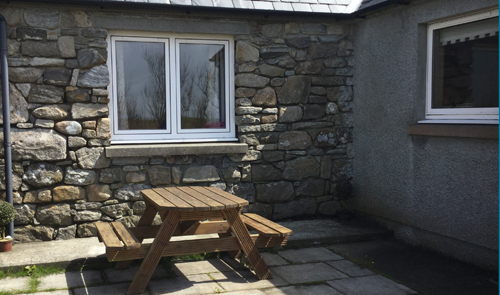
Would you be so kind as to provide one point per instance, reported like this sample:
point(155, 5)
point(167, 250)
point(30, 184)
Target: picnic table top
point(192, 198)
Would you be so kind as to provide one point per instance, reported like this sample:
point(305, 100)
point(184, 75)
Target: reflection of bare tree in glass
point(154, 93)
point(202, 89)
point(186, 79)
point(206, 83)
point(128, 109)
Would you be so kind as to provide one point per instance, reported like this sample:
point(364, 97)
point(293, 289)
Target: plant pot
point(6, 246)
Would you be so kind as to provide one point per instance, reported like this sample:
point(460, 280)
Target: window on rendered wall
point(171, 88)
point(462, 70)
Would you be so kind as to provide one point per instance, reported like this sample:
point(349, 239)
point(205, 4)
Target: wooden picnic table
point(189, 210)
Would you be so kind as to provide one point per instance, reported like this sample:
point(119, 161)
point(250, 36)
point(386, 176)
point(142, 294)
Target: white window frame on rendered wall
point(173, 132)
point(454, 115)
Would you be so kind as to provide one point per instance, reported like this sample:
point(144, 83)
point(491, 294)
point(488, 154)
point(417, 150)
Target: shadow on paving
point(426, 272)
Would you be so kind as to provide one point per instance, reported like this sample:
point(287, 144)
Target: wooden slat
point(241, 202)
point(157, 199)
point(108, 236)
point(215, 196)
point(180, 205)
point(151, 260)
point(147, 218)
point(145, 232)
point(126, 236)
point(259, 227)
point(194, 247)
point(273, 225)
point(201, 215)
point(247, 244)
point(207, 227)
point(209, 201)
point(197, 204)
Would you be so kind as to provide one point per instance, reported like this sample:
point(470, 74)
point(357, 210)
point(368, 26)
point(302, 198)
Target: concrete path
point(295, 272)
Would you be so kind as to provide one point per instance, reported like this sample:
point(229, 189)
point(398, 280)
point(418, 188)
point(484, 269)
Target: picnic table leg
point(232, 254)
point(247, 245)
point(151, 260)
point(146, 219)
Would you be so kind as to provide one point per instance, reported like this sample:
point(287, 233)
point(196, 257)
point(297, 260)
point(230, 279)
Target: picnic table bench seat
point(123, 243)
point(116, 236)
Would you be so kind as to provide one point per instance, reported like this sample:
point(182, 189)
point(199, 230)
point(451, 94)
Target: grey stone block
point(304, 273)
point(374, 285)
point(119, 289)
point(350, 268)
point(302, 290)
point(247, 292)
point(245, 280)
point(300, 207)
point(273, 259)
point(200, 267)
point(95, 77)
point(127, 275)
point(309, 255)
point(169, 24)
point(10, 284)
point(70, 280)
point(189, 285)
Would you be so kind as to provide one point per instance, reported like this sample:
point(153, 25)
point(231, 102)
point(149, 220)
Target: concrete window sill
point(447, 130)
point(163, 150)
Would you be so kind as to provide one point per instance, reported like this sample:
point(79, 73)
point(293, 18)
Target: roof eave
point(364, 10)
point(193, 8)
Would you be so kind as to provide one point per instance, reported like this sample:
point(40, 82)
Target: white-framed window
point(462, 70)
point(171, 88)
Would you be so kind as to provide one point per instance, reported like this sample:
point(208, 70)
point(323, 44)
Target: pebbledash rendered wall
point(293, 82)
point(440, 192)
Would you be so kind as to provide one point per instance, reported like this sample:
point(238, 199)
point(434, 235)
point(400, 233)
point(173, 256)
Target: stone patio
point(303, 271)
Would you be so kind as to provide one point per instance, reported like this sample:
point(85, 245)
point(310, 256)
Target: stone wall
point(293, 108)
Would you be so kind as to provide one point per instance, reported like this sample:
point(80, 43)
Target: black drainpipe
point(6, 115)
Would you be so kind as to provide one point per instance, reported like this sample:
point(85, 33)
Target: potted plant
point(7, 214)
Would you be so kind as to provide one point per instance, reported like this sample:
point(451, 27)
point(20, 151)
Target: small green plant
point(217, 290)
point(7, 214)
point(30, 270)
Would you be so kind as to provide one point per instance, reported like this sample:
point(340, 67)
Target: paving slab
point(9, 284)
point(246, 292)
point(71, 280)
point(60, 252)
point(232, 263)
point(114, 289)
point(307, 273)
point(128, 274)
point(309, 255)
point(350, 268)
point(199, 267)
point(427, 272)
point(317, 232)
point(245, 280)
point(188, 285)
point(321, 289)
point(273, 259)
point(58, 292)
point(373, 285)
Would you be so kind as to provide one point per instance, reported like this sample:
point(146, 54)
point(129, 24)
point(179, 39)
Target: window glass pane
point(141, 87)
point(202, 85)
point(465, 70)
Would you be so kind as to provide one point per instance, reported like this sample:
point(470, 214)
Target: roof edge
point(190, 8)
point(376, 6)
